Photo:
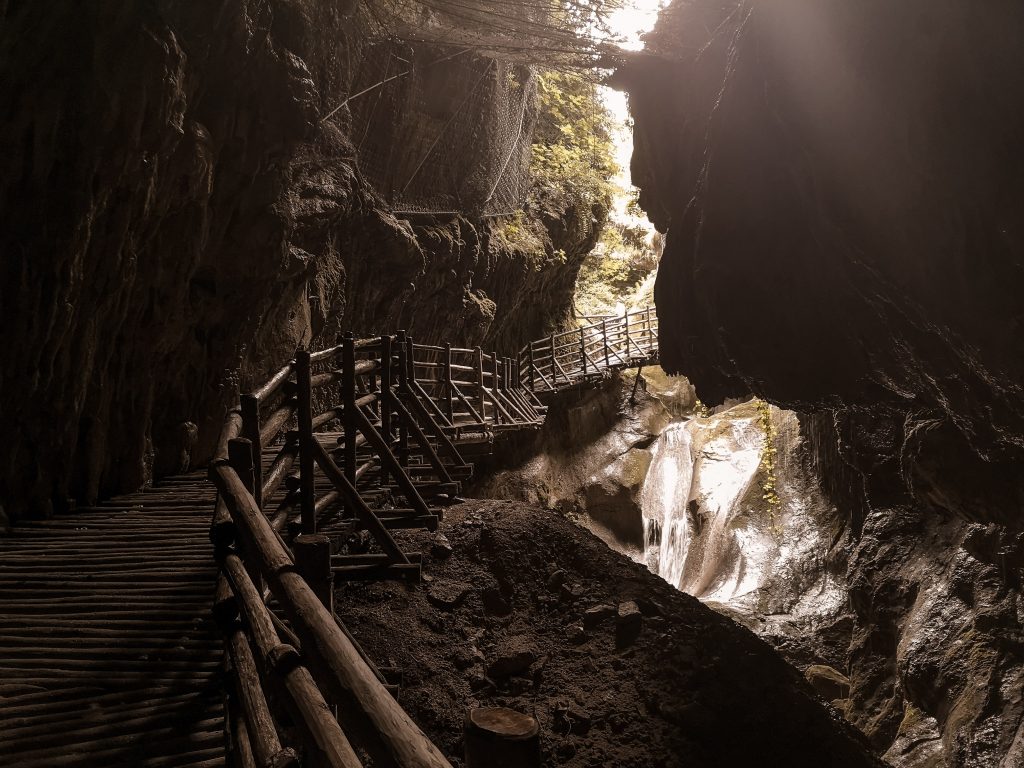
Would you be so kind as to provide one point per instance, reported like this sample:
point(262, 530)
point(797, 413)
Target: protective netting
point(443, 131)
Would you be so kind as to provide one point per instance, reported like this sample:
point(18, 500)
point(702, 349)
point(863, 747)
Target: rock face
point(183, 207)
point(842, 184)
point(842, 188)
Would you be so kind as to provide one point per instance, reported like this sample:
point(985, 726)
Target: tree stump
point(497, 737)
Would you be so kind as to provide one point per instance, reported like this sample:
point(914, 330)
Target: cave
point(471, 384)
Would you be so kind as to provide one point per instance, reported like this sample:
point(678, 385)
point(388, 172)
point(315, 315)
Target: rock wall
point(843, 187)
point(180, 216)
point(841, 184)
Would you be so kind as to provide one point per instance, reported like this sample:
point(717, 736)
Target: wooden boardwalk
point(109, 653)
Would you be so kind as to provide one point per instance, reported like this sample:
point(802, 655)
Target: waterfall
point(663, 499)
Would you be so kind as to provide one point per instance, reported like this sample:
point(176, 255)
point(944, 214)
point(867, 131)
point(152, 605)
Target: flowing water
point(663, 499)
point(710, 532)
point(702, 533)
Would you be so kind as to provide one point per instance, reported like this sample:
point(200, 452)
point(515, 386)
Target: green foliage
point(768, 487)
point(573, 157)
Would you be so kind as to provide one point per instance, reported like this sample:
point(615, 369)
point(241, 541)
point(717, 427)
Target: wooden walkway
point(108, 653)
point(111, 652)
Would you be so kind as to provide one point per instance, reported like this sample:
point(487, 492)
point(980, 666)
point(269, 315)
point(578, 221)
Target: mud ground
point(521, 608)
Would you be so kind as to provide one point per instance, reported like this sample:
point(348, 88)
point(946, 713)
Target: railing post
point(251, 431)
point(313, 562)
point(625, 325)
point(306, 465)
point(447, 373)
point(495, 378)
point(240, 458)
point(554, 368)
point(481, 399)
point(403, 386)
point(348, 401)
point(604, 335)
point(386, 379)
point(533, 368)
point(410, 362)
point(583, 352)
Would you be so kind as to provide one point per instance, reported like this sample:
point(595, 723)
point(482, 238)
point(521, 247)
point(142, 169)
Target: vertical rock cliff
point(843, 185)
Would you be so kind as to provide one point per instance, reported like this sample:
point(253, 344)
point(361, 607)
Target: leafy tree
point(573, 159)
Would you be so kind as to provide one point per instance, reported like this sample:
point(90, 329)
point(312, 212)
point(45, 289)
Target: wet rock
point(448, 595)
point(918, 744)
point(594, 617)
point(511, 657)
point(828, 682)
point(628, 624)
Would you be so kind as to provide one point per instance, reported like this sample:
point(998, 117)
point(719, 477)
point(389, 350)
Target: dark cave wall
point(843, 187)
point(178, 218)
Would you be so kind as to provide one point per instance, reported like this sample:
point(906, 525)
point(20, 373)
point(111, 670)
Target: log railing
point(325, 446)
point(584, 353)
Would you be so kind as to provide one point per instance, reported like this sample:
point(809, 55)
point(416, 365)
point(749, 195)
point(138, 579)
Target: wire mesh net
point(441, 131)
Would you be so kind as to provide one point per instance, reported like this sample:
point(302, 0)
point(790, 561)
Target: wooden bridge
point(111, 654)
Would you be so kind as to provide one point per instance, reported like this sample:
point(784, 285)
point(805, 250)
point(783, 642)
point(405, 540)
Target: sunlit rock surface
point(712, 533)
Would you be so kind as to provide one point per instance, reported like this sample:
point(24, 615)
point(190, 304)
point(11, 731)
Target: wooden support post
point(313, 562)
point(348, 400)
point(251, 432)
point(636, 383)
point(583, 352)
point(625, 324)
point(495, 378)
point(240, 458)
point(480, 399)
point(386, 395)
point(410, 361)
point(306, 440)
point(533, 368)
point(447, 373)
point(403, 386)
point(554, 367)
point(604, 335)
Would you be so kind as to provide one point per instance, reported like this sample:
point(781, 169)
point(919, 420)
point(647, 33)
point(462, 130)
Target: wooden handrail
point(338, 663)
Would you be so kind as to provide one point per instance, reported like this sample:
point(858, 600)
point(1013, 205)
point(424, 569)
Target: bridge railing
point(366, 416)
point(577, 355)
